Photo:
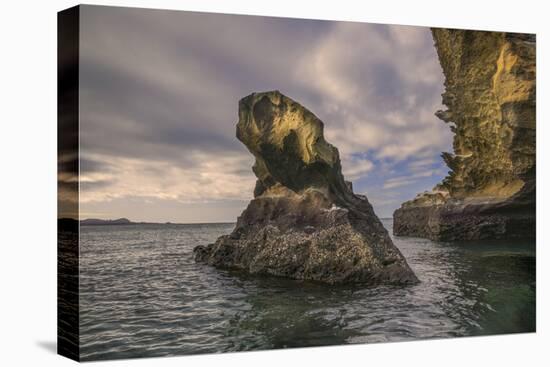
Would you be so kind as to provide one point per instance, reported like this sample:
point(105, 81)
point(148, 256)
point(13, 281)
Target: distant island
point(104, 222)
point(125, 221)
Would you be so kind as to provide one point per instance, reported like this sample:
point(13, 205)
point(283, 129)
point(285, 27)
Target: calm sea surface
point(141, 294)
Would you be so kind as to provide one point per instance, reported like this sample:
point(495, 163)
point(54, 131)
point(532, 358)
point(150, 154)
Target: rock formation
point(490, 86)
point(304, 222)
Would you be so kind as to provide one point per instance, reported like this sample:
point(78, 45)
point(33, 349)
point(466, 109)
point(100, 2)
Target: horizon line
point(164, 222)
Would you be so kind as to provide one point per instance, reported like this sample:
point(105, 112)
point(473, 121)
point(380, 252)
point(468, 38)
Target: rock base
point(460, 222)
point(305, 237)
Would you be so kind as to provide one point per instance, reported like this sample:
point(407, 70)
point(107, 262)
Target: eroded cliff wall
point(490, 96)
point(490, 92)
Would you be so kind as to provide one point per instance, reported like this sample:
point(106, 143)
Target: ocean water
point(142, 295)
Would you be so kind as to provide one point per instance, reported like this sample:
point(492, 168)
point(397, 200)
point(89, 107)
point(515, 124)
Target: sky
point(159, 95)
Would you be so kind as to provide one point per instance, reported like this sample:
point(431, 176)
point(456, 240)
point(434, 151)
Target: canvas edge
point(68, 39)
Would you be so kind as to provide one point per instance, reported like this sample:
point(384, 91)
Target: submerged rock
point(304, 222)
point(490, 93)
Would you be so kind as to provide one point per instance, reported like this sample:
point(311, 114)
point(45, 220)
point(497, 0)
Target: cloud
point(398, 182)
point(406, 180)
point(355, 168)
point(382, 91)
point(212, 178)
point(159, 93)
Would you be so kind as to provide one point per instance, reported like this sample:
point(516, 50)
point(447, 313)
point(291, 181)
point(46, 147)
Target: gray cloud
point(159, 92)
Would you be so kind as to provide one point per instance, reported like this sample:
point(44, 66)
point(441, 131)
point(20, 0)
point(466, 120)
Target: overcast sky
point(159, 93)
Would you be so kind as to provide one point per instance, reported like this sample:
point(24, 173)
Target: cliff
point(490, 93)
point(304, 222)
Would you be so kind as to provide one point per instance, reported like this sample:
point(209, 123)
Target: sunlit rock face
point(304, 222)
point(490, 90)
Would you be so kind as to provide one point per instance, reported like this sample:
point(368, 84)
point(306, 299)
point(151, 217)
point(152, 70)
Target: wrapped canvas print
point(235, 183)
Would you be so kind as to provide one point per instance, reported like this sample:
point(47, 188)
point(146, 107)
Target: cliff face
point(304, 222)
point(490, 95)
point(490, 90)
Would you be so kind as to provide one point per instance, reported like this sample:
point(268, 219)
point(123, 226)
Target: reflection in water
point(143, 295)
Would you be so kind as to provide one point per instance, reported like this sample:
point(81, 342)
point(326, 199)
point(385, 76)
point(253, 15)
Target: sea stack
point(304, 222)
point(490, 90)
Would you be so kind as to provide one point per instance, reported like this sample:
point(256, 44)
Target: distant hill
point(121, 221)
point(104, 222)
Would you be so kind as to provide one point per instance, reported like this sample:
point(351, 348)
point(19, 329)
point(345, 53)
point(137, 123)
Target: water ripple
point(141, 294)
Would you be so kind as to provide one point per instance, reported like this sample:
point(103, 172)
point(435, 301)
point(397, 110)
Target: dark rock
point(490, 81)
point(104, 222)
point(304, 222)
